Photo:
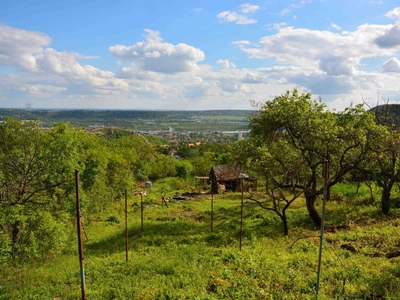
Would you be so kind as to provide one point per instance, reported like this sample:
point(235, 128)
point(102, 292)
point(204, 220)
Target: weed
point(179, 257)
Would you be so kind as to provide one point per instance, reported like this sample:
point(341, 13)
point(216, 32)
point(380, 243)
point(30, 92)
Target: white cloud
point(231, 85)
point(64, 64)
point(337, 65)
point(41, 90)
point(253, 78)
point(226, 63)
point(24, 50)
point(248, 8)
point(285, 11)
point(379, 84)
point(18, 46)
point(391, 65)
point(231, 16)
point(291, 7)
point(335, 54)
point(155, 55)
point(393, 14)
point(242, 17)
point(391, 38)
point(337, 27)
point(240, 43)
point(156, 74)
point(199, 90)
point(278, 26)
point(132, 71)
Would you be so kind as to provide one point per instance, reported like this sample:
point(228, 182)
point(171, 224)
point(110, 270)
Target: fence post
point(126, 224)
point(241, 214)
point(212, 211)
point(79, 228)
point(141, 211)
point(326, 174)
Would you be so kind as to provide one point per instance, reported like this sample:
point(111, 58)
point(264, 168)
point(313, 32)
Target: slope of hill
point(388, 114)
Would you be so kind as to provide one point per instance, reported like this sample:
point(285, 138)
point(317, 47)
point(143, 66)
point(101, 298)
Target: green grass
point(177, 256)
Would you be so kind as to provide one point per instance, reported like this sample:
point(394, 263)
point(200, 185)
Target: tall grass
point(179, 257)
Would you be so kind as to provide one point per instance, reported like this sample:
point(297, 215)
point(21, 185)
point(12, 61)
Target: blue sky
point(201, 55)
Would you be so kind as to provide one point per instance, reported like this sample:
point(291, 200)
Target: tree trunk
point(312, 211)
point(371, 192)
point(385, 200)
point(285, 225)
point(14, 236)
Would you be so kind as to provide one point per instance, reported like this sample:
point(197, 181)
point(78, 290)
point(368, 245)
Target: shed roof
point(226, 172)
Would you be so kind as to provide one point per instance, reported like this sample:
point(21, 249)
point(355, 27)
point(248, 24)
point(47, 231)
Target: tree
point(184, 169)
point(305, 129)
point(161, 166)
point(383, 164)
point(285, 175)
point(202, 164)
point(34, 165)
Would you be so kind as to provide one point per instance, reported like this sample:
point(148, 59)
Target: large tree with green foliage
point(36, 169)
point(303, 134)
point(383, 163)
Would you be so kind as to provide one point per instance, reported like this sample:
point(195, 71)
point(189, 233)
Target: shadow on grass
point(156, 233)
point(193, 229)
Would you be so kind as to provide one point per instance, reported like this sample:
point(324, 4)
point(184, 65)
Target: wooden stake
point(212, 211)
point(79, 228)
point(241, 215)
point(326, 174)
point(126, 224)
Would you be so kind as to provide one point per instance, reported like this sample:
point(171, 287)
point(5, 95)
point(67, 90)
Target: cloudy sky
point(186, 55)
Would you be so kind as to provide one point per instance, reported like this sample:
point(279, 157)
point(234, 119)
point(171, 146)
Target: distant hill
point(202, 120)
point(388, 114)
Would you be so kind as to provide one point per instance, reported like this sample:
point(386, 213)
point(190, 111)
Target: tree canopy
point(299, 134)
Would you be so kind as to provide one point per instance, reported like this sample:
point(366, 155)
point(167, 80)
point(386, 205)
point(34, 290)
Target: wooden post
point(212, 211)
point(79, 228)
point(241, 215)
point(141, 193)
point(326, 174)
point(141, 211)
point(126, 224)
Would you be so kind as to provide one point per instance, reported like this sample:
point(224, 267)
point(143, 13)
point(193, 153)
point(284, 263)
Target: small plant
point(113, 219)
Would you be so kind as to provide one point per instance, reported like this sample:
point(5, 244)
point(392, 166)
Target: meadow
point(179, 256)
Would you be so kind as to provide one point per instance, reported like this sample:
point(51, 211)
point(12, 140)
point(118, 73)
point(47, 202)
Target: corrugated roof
point(226, 172)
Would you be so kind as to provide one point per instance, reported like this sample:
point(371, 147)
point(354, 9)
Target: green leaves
point(298, 134)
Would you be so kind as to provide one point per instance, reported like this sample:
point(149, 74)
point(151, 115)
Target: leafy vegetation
point(178, 254)
point(300, 134)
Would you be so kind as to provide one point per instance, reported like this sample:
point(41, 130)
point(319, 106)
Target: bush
point(172, 183)
point(113, 219)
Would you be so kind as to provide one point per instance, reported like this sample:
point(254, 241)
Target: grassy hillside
point(177, 256)
point(388, 114)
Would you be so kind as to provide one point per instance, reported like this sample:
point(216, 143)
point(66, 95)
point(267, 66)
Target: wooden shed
point(227, 178)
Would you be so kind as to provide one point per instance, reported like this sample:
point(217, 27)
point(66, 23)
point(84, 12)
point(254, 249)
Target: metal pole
point(141, 211)
point(241, 217)
point(126, 224)
point(326, 174)
point(79, 228)
point(212, 211)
